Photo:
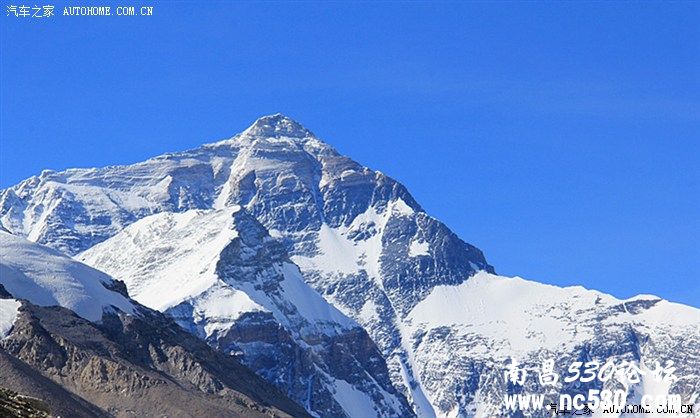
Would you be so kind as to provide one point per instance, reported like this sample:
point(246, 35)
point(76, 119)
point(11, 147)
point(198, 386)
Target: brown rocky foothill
point(129, 365)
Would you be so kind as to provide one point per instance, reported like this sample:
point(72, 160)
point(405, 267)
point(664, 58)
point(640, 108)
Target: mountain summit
point(276, 126)
point(272, 245)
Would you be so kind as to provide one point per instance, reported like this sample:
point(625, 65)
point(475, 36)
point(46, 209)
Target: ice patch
point(418, 248)
point(368, 312)
point(222, 306)
point(354, 402)
point(399, 206)
point(310, 304)
point(337, 254)
point(9, 309)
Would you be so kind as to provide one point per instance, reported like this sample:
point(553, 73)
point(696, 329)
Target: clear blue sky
point(563, 139)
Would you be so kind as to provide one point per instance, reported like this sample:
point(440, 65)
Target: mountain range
point(267, 272)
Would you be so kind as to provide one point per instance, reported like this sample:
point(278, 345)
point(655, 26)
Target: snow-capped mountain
point(221, 276)
point(464, 335)
point(62, 322)
point(444, 323)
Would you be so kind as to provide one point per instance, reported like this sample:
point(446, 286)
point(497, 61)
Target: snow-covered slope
point(169, 258)
point(225, 279)
point(464, 336)
point(46, 277)
point(364, 244)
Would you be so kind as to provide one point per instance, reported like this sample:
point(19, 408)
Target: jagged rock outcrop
point(144, 366)
point(27, 381)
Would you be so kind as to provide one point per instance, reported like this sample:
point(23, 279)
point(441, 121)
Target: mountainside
point(221, 276)
point(127, 361)
point(464, 336)
point(28, 382)
point(446, 326)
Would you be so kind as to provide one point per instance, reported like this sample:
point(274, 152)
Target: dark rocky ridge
point(142, 366)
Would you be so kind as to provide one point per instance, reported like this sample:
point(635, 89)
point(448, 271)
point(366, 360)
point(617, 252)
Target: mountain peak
point(277, 125)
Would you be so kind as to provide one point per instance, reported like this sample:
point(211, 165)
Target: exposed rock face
point(4, 294)
point(143, 366)
point(29, 382)
point(445, 325)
